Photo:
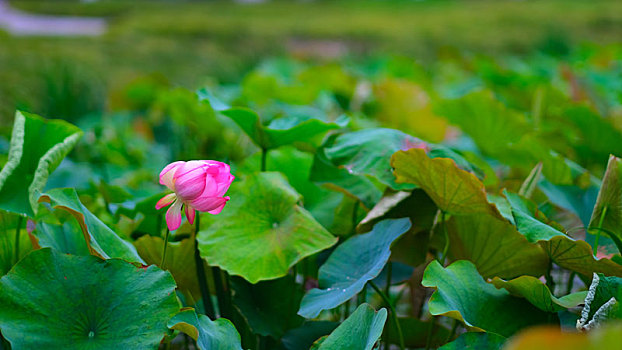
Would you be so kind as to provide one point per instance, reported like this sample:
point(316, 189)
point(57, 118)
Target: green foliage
point(359, 331)
point(463, 295)
point(351, 266)
point(271, 232)
point(37, 148)
point(476, 340)
point(209, 335)
point(100, 239)
point(499, 206)
point(55, 300)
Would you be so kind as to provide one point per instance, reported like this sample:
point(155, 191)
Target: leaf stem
point(570, 282)
point(220, 292)
point(393, 313)
point(387, 289)
point(431, 329)
point(446, 248)
point(363, 295)
point(264, 156)
point(208, 307)
point(164, 249)
point(600, 227)
point(17, 232)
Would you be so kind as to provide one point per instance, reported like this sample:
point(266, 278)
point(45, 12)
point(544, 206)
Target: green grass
point(188, 41)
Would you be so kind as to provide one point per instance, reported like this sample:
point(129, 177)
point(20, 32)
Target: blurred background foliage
point(193, 43)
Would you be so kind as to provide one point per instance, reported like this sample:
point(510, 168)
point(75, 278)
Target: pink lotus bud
point(197, 185)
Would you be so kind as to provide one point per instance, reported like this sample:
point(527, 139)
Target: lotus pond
point(474, 202)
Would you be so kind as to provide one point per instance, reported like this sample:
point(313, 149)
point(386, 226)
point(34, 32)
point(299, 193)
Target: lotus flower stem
point(17, 232)
point(164, 249)
point(600, 227)
point(393, 313)
point(208, 307)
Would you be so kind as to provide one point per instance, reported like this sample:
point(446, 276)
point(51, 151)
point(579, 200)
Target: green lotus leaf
point(296, 166)
point(294, 129)
point(303, 337)
point(494, 246)
point(360, 187)
point(269, 307)
point(100, 239)
point(575, 199)
point(461, 293)
point(66, 238)
point(416, 332)
point(454, 190)
point(539, 294)
point(602, 302)
point(496, 129)
point(179, 262)
point(351, 265)
point(525, 215)
point(368, 152)
point(360, 331)
point(476, 341)
point(52, 300)
point(575, 255)
point(37, 148)
point(269, 231)
point(607, 214)
point(219, 334)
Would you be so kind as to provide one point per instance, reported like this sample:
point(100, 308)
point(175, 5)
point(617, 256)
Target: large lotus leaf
point(607, 214)
point(495, 129)
point(269, 231)
point(461, 293)
point(547, 338)
point(454, 190)
point(100, 239)
point(296, 166)
point(303, 337)
point(526, 215)
point(351, 265)
point(293, 129)
point(52, 300)
point(575, 255)
point(360, 331)
point(326, 173)
point(598, 137)
point(66, 238)
point(494, 246)
point(219, 334)
point(368, 152)
point(269, 307)
point(37, 148)
point(475, 341)
point(179, 262)
point(407, 106)
point(539, 294)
